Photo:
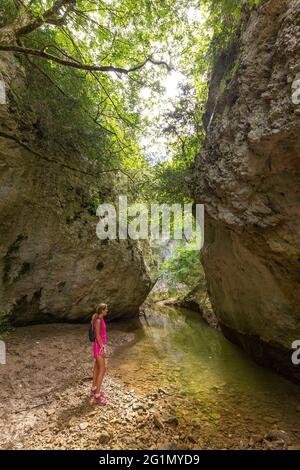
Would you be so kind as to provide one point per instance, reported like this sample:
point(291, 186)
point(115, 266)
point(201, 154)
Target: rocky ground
point(45, 403)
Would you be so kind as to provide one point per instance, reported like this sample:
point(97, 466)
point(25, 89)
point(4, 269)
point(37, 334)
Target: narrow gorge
point(174, 103)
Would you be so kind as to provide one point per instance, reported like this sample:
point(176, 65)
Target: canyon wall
point(248, 176)
point(52, 265)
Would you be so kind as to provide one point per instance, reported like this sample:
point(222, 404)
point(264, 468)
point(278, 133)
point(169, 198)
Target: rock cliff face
point(53, 267)
point(248, 176)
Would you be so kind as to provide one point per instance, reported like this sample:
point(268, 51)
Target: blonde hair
point(100, 307)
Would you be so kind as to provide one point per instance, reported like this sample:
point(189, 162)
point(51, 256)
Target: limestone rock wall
point(52, 265)
point(248, 176)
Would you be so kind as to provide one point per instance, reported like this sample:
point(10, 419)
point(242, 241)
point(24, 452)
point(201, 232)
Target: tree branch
point(78, 65)
point(27, 23)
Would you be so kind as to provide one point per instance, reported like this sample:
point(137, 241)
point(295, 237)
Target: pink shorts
point(97, 350)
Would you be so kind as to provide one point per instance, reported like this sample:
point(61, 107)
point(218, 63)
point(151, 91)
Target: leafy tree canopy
point(95, 57)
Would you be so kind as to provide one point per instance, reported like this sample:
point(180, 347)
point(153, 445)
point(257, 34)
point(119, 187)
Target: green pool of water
point(175, 347)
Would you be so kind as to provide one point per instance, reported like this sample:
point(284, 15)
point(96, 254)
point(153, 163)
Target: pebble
point(278, 435)
point(157, 421)
point(270, 420)
point(172, 420)
point(103, 437)
point(257, 438)
point(294, 447)
point(167, 446)
point(19, 445)
point(83, 425)
point(138, 406)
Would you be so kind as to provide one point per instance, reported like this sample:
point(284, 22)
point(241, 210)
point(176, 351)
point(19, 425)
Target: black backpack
point(92, 336)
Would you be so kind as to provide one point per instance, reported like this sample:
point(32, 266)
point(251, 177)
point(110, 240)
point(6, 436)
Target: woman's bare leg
point(95, 374)
point(101, 371)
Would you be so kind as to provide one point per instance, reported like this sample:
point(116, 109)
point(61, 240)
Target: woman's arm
point(97, 333)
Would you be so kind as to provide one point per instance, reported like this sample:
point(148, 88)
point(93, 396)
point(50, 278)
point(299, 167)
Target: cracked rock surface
point(248, 176)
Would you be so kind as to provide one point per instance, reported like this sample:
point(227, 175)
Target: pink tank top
point(102, 331)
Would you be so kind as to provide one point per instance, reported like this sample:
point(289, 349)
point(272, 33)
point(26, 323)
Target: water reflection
point(174, 346)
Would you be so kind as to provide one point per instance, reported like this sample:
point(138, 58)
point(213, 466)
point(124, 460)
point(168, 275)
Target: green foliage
point(8, 12)
point(184, 267)
point(222, 23)
point(92, 114)
point(228, 77)
point(184, 132)
point(97, 116)
point(181, 127)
